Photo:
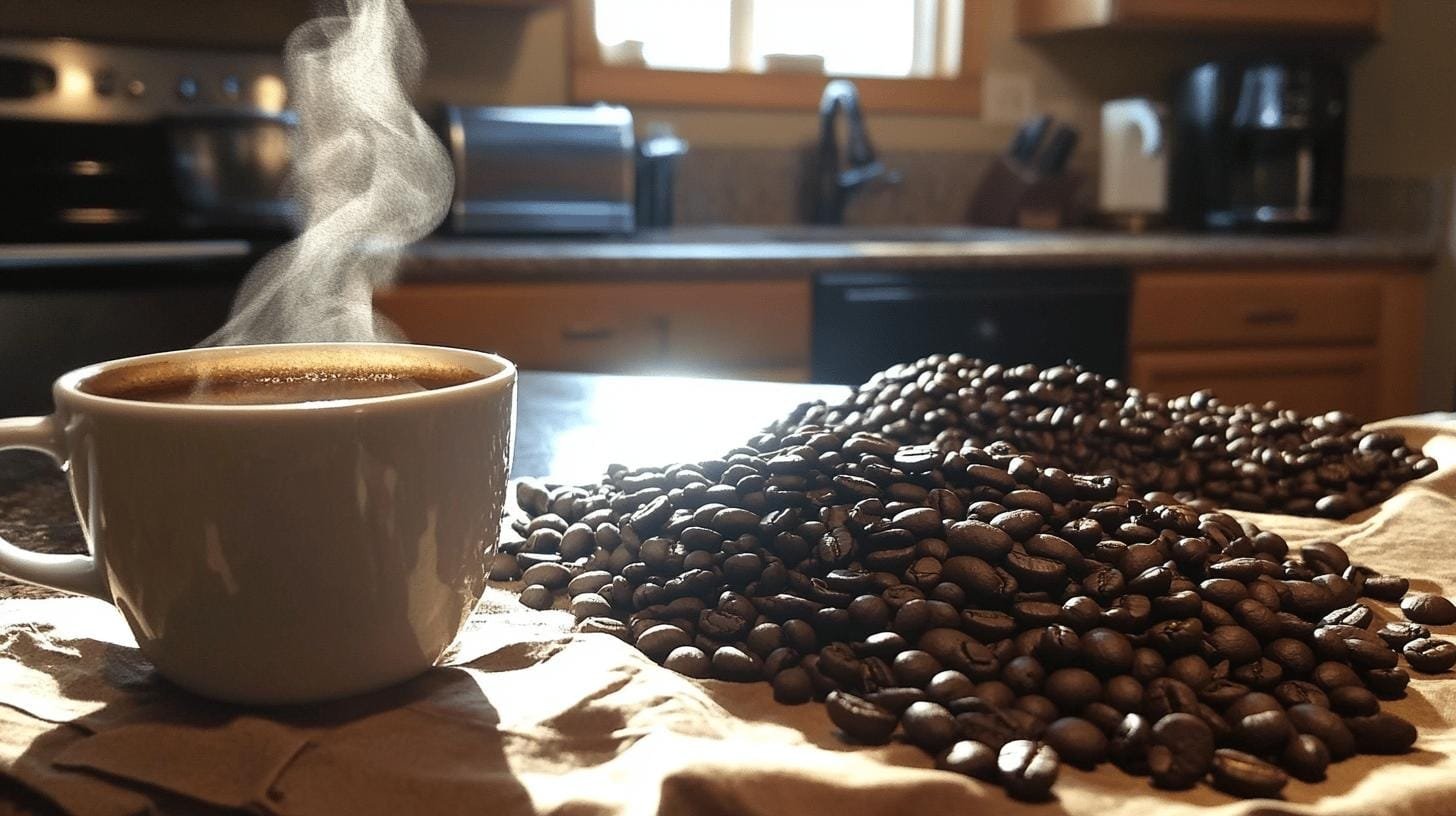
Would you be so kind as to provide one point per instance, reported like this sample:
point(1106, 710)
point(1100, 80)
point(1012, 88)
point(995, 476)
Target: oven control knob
point(187, 88)
point(231, 87)
point(136, 88)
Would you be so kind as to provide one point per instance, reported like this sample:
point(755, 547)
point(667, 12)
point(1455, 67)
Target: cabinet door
point(748, 329)
point(1336, 17)
point(1306, 380)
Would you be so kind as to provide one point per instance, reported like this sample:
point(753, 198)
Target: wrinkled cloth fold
point(525, 716)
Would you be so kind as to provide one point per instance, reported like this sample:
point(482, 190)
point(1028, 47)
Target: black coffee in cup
point(289, 380)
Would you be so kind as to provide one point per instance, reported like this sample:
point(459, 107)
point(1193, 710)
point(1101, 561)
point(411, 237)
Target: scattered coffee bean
point(1382, 733)
point(1181, 751)
point(1426, 608)
point(1246, 775)
point(689, 661)
point(862, 720)
point(1397, 634)
point(1027, 769)
point(1306, 758)
point(1430, 655)
point(899, 557)
point(1077, 741)
point(537, 597)
point(929, 725)
point(969, 758)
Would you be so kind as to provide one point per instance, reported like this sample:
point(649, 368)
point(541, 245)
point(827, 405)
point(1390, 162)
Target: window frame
point(593, 80)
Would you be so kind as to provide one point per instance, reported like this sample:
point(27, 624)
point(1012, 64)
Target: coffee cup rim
point(68, 384)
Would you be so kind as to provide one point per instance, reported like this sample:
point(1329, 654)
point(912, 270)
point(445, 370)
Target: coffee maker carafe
point(1259, 147)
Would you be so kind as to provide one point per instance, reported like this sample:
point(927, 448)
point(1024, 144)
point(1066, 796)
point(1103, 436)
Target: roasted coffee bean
point(1325, 724)
point(1077, 741)
point(996, 693)
point(737, 665)
point(1147, 664)
point(1042, 708)
point(1354, 701)
point(1072, 688)
point(1181, 751)
point(948, 685)
point(1106, 651)
point(1430, 655)
point(1358, 615)
point(1221, 692)
point(1176, 637)
point(1251, 703)
point(1385, 587)
point(1025, 675)
point(1165, 696)
point(968, 758)
point(1027, 769)
point(1246, 775)
point(1235, 644)
point(987, 625)
point(1330, 675)
point(1129, 744)
point(1382, 733)
point(1295, 657)
point(896, 699)
point(1104, 716)
point(954, 649)
point(993, 727)
point(1427, 608)
point(929, 725)
point(862, 720)
point(915, 668)
point(1034, 572)
point(1388, 684)
point(1306, 758)
point(536, 596)
point(1397, 634)
point(1265, 732)
point(1324, 557)
point(1019, 524)
point(689, 661)
point(1295, 692)
point(1058, 645)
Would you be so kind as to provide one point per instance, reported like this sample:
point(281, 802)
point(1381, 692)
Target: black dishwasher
point(865, 321)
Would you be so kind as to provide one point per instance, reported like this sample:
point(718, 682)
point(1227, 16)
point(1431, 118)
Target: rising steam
point(369, 175)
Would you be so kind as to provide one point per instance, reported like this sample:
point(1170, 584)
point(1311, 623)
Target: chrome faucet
point(833, 183)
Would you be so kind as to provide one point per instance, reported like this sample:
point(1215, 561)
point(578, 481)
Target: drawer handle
point(1271, 317)
point(586, 333)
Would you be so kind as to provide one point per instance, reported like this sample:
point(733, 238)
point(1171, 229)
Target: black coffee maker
point(1259, 147)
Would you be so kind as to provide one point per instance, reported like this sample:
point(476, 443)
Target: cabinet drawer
point(1203, 309)
point(1306, 380)
point(741, 328)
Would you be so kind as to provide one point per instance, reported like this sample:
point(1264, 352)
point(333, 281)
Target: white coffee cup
point(281, 553)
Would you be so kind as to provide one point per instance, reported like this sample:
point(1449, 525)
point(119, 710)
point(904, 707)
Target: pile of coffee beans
point(1004, 616)
point(1197, 448)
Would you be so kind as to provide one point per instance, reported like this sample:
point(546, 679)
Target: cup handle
point(71, 573)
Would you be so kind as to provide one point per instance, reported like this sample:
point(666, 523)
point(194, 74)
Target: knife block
point(1010, 195)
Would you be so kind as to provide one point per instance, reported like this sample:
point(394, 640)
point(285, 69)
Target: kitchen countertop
point(776, 251)
point(569, 427)
point(115, 253)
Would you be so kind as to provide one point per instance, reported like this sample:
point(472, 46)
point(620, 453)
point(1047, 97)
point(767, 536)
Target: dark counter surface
point(789, 250)
point(569, 428)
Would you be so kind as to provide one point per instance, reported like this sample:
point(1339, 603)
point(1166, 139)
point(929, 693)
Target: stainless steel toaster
point(542, 169)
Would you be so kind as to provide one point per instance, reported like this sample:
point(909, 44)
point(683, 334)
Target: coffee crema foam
point(250, 381)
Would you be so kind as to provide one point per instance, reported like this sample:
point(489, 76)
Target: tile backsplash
point(770, 186)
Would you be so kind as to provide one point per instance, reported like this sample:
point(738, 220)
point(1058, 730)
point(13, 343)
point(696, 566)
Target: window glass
point(855, 37)
point(682, 34)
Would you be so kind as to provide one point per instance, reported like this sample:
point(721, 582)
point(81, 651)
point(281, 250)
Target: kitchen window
point(905, 55)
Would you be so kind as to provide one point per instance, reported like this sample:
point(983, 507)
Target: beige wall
point(1403, 95)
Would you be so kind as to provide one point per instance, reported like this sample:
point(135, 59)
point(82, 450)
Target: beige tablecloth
point(530, 718)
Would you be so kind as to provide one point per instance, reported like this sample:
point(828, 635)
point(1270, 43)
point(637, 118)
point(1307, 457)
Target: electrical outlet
point(1007, 97)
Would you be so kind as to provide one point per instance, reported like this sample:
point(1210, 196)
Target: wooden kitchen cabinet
point(751, 329)
point(1365, 18)
point(1311, 340)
